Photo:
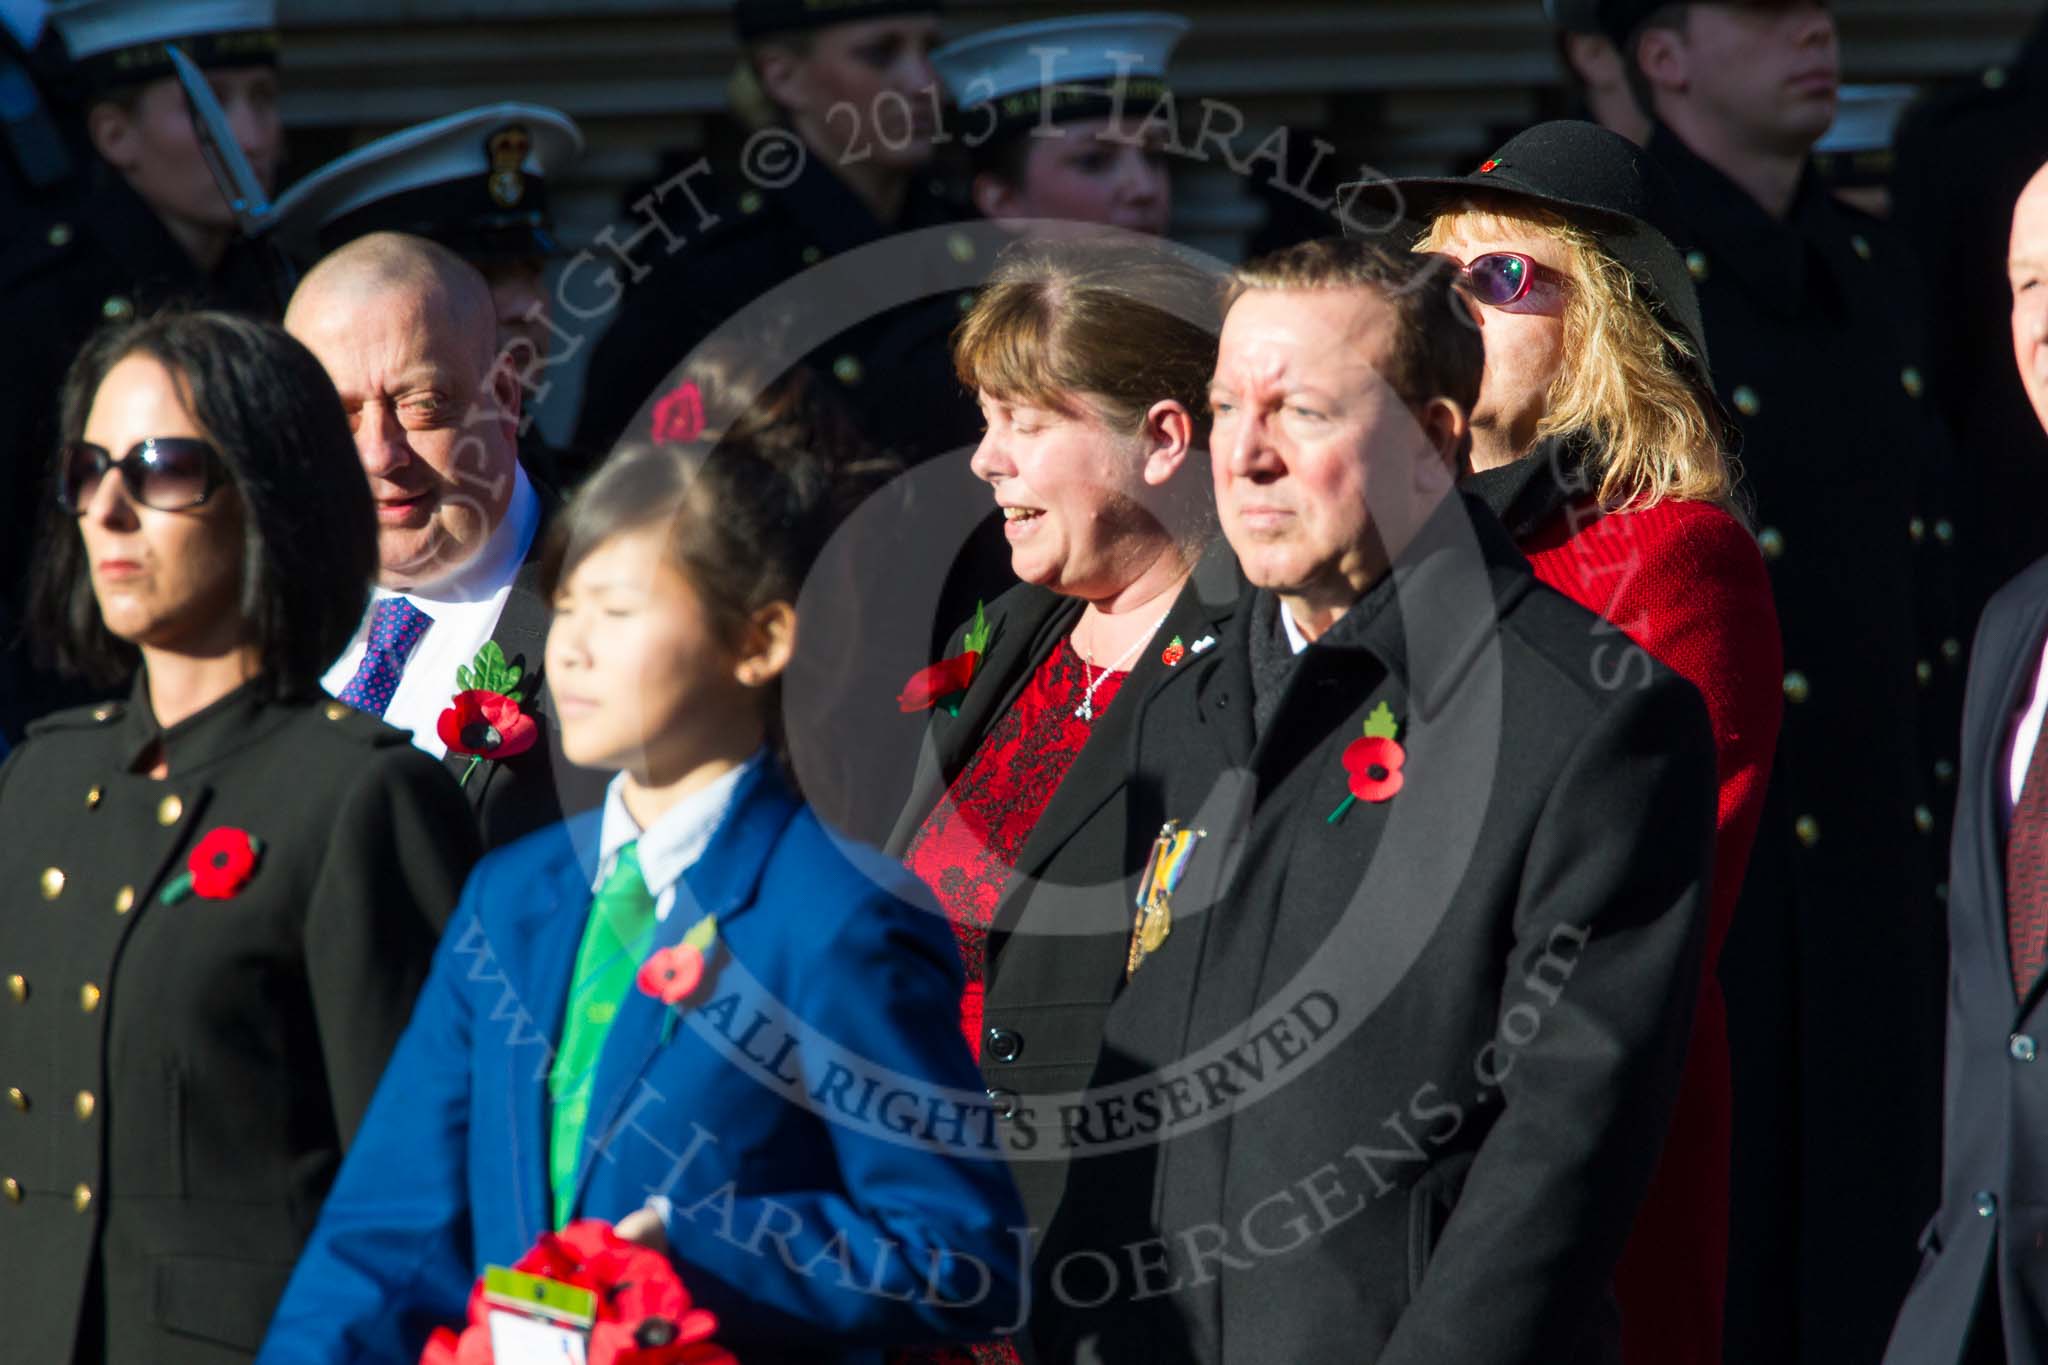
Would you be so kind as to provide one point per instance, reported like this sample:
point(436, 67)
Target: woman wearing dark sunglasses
point(1598, 441)
point(219, 895)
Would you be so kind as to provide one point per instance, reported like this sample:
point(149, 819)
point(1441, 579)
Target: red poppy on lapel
point(671, 974)
point(484, 719)
point(943, 683)
point(1174, 652)
point(220, 864)
point(644, 1314)
point(1374, 762)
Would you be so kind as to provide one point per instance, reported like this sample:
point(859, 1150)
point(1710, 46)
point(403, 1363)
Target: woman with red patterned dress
point(1091, 363)
point(1598, 441)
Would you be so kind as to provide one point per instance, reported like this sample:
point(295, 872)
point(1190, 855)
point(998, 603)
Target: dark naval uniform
point(182, 1077)
point(1841, 925)
point(1963, 156)
point(895, 369)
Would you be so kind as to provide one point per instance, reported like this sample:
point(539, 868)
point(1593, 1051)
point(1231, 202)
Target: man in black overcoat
point(1980, 1297)
point(1410, 964)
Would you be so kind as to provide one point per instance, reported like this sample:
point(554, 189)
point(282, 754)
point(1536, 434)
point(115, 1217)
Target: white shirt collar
point(491, 568)
point(675, 842)
point(1296, 641)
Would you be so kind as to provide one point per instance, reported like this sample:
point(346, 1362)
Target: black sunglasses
point(169, 473)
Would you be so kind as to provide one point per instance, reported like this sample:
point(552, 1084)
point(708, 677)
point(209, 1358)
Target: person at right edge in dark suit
point(1809, 309)
point(1981, 1297)
point(1413, 975)
point(450, 649)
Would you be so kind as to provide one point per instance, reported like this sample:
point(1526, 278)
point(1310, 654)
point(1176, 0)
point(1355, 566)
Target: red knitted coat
point(1685, 582)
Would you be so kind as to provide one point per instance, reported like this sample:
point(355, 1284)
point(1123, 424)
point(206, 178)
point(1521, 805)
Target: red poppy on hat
point(679, 413)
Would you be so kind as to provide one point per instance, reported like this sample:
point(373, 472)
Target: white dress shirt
point(675, 843)
point(2025, 735)
point(465, 608)
point(1296, 641)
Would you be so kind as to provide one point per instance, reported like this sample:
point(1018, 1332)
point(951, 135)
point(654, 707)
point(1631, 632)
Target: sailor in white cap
point(1054, 114)
point(150, 225)
point(476, 182)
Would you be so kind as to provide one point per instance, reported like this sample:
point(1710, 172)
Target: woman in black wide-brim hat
point(219, 895)
point(1598, 441)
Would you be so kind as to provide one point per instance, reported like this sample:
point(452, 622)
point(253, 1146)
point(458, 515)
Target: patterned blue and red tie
point(395, 627)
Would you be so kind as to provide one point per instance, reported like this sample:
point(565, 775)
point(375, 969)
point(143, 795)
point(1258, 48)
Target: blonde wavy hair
point(1627, 386)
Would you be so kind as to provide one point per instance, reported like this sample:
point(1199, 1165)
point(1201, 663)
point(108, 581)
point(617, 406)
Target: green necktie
point(616, 938)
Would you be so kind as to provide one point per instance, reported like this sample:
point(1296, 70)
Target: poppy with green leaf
point(484, 720)
point(945, 682)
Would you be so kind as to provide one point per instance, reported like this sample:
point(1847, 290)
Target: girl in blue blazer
point(692, 1013)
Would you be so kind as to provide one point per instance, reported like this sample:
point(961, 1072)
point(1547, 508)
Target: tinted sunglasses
point(169, 473)
point(1513, 283)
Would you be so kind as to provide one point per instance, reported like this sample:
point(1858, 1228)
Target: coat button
point(811, 255)
point(1923, 819)
point(966, 301)
point(117, 309)
point(1944, 771)
point(103, 714)
point(1772, 542)
point(17, 987)
point(1923, 672)
point(960, 246)
point(1916, 529)
point(59, 234)
point(1696, 264)
point(17, 1098)
point(2022, 1048)
point(1005, 1102)
point(1987, 1203)
point(1994, 78)
point(750, 202)
point(168, 810)
point(1911, 382)
point(124, 901)
point(13, 1188)
point(1004, 1045)
point(1796, 687)
point(1807, 829)
point(1945, 531)
point(88, 997)
point(1745, 400)
point(92, 798)
point(81, 1198)
point(847, 370)
point(53, 883)
point(84, 1105)
point(1860, 244)
point(337, 710)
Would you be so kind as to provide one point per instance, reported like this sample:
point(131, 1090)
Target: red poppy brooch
point(1374, 762)
point(945, 682)
point(672, 974)
point(483, 720)
point(635, 1308)
point(220, 864)
point(679, 414)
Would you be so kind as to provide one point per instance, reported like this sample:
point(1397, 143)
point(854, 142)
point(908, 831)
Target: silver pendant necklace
point(1086, 710)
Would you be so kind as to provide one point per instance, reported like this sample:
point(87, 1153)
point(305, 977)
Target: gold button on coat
point(168, 810)
point(103, 714)
point(117, 308)
point(1860, 245)
point(84, 1105)
point(1944, 771)
point(1696, 264)
point(811, 255)
point(16, 1098)
point(1745, 400)
point(1796, 688)
point(92, 798)
point(1917, 529)
point(1910, 380)
point(60, 234)
point(124, 901)
point(17, 986)
point(337, 710)
point(1945, 531)
point(1923, 819)
point(13, 1188)
point(1807, 829)
point(81, 1198)
point(847, 370)
point(1772, 542)
point(1951, 649)
point(1923, 672)
point(88, 997)
point(53, 883)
